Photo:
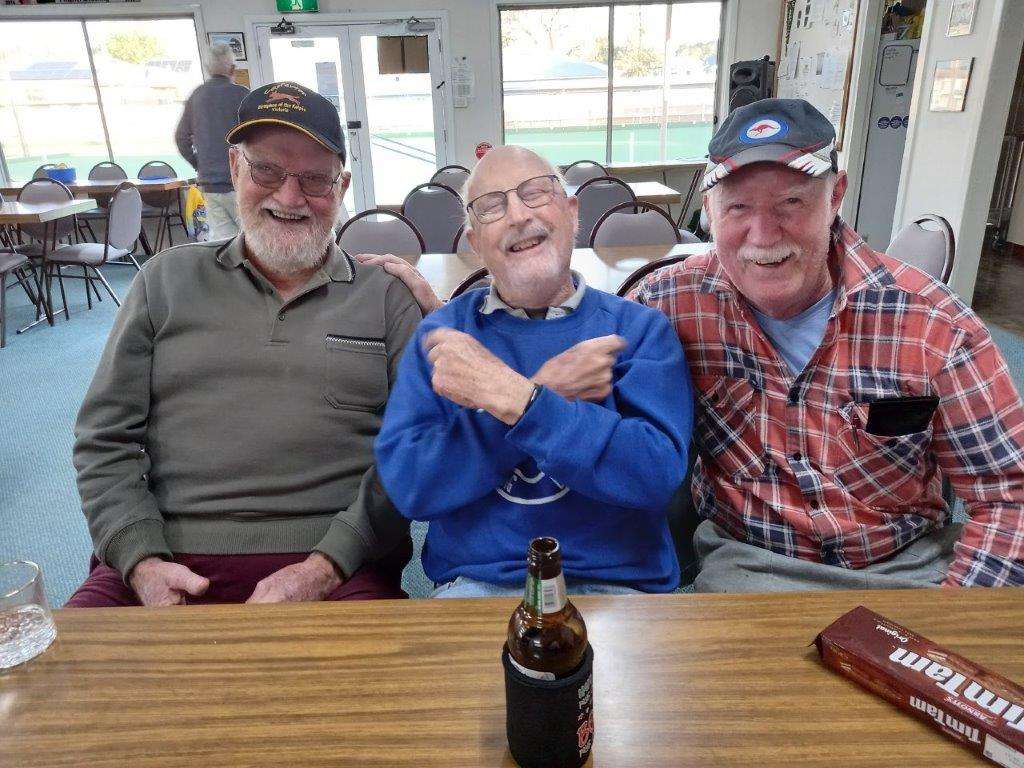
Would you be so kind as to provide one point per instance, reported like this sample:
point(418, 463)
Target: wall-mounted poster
point(949, 86)
point(234, 39)
point(961, 17)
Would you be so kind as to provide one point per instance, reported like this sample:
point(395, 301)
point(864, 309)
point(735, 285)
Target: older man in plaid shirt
point(836, 386)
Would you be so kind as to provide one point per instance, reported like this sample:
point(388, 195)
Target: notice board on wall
point(816, 55)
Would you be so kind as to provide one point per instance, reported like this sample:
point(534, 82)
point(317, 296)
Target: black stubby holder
point(550, 723)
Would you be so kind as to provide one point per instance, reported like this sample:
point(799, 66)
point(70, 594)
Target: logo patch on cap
point(763, 129)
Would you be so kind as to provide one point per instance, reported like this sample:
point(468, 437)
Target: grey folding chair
point(379, 231)
point(45, 236)
point(165, 207)
point(124, 219)
point(928, 243)
point(453, 176)
point(461, 243)
point(596, 197)
point(582, 171)
point(40, 172)
point(104, 171)
point(478, 278)
point(437, 212)
point(634, 224)
point(19, 266)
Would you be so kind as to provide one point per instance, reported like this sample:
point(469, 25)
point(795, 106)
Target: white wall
point(950, 159)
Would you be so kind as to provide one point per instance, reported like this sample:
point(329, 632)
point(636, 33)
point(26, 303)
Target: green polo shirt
point(222, 420)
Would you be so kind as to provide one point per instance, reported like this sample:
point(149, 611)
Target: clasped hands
point(159, 582)
point(466, 373)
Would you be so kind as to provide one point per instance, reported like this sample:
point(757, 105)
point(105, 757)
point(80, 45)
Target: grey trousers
point(221, 214)
point(727, 565)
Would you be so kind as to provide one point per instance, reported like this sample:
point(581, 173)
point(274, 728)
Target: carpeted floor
point(43, 375)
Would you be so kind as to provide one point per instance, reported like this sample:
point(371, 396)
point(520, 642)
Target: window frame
point(610, 5)
point(43, 14)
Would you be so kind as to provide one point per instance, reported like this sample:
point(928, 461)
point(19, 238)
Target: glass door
point(387, 82)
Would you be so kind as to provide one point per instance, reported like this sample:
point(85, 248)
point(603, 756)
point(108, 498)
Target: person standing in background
point(210, 112)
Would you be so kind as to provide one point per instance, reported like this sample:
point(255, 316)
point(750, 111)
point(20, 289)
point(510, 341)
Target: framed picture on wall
point(235, 39)
point(949, 86)
point(961, 17)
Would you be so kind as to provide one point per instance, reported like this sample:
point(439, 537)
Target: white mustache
point(534, 230)
point(772, 255)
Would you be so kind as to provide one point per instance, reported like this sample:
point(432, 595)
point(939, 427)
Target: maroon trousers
point(232, 580)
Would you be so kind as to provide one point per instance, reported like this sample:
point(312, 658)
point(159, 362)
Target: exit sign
point(297, 6)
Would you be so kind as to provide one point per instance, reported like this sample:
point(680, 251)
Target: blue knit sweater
point(596, 476)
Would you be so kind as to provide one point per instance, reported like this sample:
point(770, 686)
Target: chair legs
point(106, 285)
point(3, 309)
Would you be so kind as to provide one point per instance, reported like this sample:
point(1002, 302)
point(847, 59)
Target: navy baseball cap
point(787, 131)
point(294, 106)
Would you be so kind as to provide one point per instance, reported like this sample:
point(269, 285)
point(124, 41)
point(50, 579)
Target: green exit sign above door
point(297, 6)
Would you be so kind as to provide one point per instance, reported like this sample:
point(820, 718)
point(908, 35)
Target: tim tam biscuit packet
point(980, 709)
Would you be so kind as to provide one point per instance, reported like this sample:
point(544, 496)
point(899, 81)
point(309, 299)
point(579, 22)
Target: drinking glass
point(26, 624)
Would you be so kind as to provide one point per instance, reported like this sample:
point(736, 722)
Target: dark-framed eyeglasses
point(270, 176)
point(534, 193)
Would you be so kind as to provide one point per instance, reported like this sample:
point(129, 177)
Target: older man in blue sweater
point(493, 435)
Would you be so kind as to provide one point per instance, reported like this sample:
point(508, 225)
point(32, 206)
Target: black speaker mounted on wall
point(750, 81)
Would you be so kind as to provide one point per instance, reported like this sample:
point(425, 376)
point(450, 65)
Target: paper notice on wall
point(463, 82)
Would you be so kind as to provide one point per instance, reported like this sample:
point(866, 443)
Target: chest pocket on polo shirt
point(728, 427)
point(878, 470)
point(355, 371)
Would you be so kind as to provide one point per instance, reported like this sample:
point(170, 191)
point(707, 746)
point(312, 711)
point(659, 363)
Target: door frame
point(260, 71)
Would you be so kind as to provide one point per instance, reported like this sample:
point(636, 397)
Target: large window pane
point(554, 64)
point(146, 71)
point(400, 116)
point(48, 110)
point(665, 63)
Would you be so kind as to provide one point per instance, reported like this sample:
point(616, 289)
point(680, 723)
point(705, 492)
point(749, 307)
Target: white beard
point(285, 253)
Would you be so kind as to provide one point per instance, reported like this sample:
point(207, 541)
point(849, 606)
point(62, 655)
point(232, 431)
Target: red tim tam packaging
point(980, 709)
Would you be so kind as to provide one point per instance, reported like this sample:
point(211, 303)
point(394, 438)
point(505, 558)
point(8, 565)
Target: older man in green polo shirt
point(224, 448)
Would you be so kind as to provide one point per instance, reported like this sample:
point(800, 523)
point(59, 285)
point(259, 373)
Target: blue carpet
point(44, 374)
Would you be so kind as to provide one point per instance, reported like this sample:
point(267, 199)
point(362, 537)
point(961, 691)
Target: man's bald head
point(500, 163)
point(526, 244)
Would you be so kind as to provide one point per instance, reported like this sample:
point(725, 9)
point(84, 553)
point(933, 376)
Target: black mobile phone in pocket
point(895, 416)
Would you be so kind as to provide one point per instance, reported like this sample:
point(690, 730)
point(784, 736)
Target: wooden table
point(47, 214)
point(653, 192)
point(603, 268)
point(679, 680)
point(88, 187)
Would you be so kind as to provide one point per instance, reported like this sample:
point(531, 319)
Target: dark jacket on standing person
point(210, 112)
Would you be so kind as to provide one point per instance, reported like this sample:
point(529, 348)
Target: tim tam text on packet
point(980, 709)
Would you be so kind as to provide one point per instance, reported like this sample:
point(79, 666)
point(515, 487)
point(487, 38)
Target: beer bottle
point(547, 638)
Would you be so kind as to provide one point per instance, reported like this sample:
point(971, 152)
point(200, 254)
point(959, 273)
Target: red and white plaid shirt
point(786, 464)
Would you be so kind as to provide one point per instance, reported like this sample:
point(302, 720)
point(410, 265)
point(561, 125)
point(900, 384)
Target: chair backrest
point(437, 212)
point(478, 278)
point(124, 217)
point(596, 197)
point(582, 171)
point(634, 224)
point(379, 231)
point(461, 244)
point(158, 169)
point(46, 191)
point(107, 171)
point(645, 270)
point(927, 243)
point(453, 176)
point(40, 172)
